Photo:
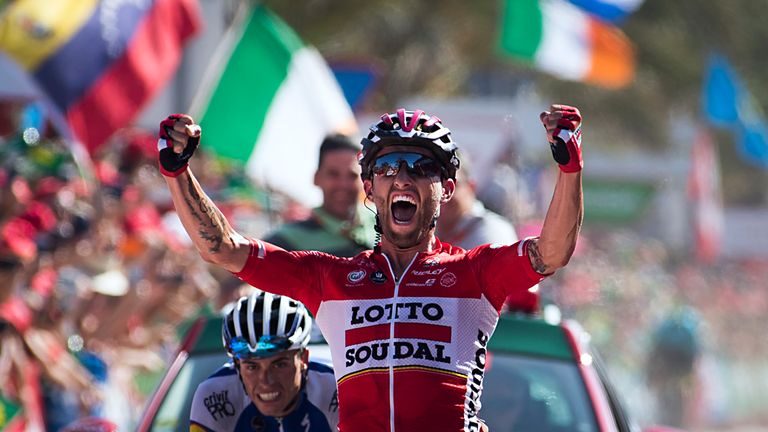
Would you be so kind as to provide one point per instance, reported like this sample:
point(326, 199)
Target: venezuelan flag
point(99, 61)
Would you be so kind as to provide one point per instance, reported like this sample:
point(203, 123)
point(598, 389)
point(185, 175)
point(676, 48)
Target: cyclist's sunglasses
point(267, 346)
point(418, 165)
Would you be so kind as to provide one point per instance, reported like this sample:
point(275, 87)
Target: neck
point(400, 257)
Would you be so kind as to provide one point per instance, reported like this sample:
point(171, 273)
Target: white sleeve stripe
point(261, 249)
point(521, 245)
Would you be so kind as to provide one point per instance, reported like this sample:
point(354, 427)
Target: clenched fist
point(179, 137)
point(563, 125)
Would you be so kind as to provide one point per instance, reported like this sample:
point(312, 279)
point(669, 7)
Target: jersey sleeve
point(296, 274)
point(506, 273)
point(322, 393)
point(200, 418)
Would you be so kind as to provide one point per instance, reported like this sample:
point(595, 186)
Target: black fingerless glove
point(171, 163)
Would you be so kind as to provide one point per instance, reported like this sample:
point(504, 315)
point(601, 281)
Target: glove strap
point(172, 164)
point(162, 144)
point(566, 150)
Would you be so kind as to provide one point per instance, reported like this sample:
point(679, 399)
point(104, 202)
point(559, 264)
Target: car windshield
point(535, 394)
point(173, 414)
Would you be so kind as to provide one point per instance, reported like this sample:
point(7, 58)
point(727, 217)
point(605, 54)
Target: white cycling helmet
point(264, 324)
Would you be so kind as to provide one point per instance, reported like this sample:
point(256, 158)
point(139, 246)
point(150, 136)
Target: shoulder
point(219, 400)
point(322, 396)
point(287, 235)
point(221, 377)
point(320, 368)
point(320, 379)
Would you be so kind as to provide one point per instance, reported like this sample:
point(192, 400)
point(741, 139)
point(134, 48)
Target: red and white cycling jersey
point(408, 354)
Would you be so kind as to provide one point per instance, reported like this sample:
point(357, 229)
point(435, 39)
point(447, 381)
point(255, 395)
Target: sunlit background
point(97, 277)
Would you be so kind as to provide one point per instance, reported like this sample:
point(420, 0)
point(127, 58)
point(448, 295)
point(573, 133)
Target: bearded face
point(407, 191)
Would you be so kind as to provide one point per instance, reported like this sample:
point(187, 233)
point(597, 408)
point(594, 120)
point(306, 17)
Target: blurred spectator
point(464, 221)
point(340, 226)
point(91, 275)
point(671, 366)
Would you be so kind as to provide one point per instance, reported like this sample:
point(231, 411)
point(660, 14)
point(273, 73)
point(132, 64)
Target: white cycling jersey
point(220, 404)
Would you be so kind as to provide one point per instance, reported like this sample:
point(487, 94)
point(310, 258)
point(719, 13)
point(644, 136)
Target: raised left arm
point(562, 223)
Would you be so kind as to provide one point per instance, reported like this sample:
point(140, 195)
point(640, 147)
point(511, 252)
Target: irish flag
point(268, 100)
point(563, 40)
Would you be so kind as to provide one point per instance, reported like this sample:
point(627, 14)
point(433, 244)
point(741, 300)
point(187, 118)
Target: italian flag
point(268, 100)
point(563, 40)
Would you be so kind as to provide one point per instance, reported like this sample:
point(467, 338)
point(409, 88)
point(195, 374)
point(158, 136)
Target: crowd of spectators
point(622, 286)
point(97, 277)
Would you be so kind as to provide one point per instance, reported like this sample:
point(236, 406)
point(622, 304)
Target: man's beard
point(412, 238)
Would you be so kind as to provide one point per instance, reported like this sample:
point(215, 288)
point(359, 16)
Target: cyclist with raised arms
point(270, 385)
point(407, 322)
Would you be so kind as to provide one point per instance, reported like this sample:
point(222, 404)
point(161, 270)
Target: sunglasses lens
point(426, 168)
point(417, 165)
point(266, 346)
point(239, 347)
point(386, 166)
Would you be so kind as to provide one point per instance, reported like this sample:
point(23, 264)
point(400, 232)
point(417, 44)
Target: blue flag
point(728, 104)
point(720, 96)
point(612, 11)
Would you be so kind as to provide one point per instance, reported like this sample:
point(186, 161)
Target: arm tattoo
point(535, 256)
point(211, 227)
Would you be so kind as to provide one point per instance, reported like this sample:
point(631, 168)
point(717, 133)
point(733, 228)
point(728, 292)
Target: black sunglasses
point(417, 165)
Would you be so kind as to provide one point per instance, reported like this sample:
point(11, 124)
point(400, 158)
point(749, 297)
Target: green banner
point(616, 202)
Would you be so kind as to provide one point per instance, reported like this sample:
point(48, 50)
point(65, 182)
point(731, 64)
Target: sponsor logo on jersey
point(218, 405)
point(427, 283)
point(378, 277)
point(356, 276)
point(448, 280)
point(333, 406)
point(397, 350)
point(408, 310)
point(475, 383)
point(431, 262)
point(431, 272)
point(258, 424)
point(370, 333)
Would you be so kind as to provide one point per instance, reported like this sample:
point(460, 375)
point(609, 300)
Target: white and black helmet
point(264, 324)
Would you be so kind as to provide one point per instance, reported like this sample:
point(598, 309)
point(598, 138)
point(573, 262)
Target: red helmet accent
point(410, 128)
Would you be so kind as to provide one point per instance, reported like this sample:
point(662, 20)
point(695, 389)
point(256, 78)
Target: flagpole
point(216, 67)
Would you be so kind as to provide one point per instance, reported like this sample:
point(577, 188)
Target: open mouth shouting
point(403, 209)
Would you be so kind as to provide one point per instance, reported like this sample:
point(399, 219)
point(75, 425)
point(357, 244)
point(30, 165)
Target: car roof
point(531, 335)
point(202, 334)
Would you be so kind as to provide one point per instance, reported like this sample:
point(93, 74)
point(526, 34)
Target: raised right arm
point(211, 233)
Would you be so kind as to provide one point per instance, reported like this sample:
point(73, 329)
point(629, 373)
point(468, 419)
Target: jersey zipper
point(392, 337)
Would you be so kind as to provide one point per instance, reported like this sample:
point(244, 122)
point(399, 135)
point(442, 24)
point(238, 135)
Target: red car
point(545, 377)
point(539, 377)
